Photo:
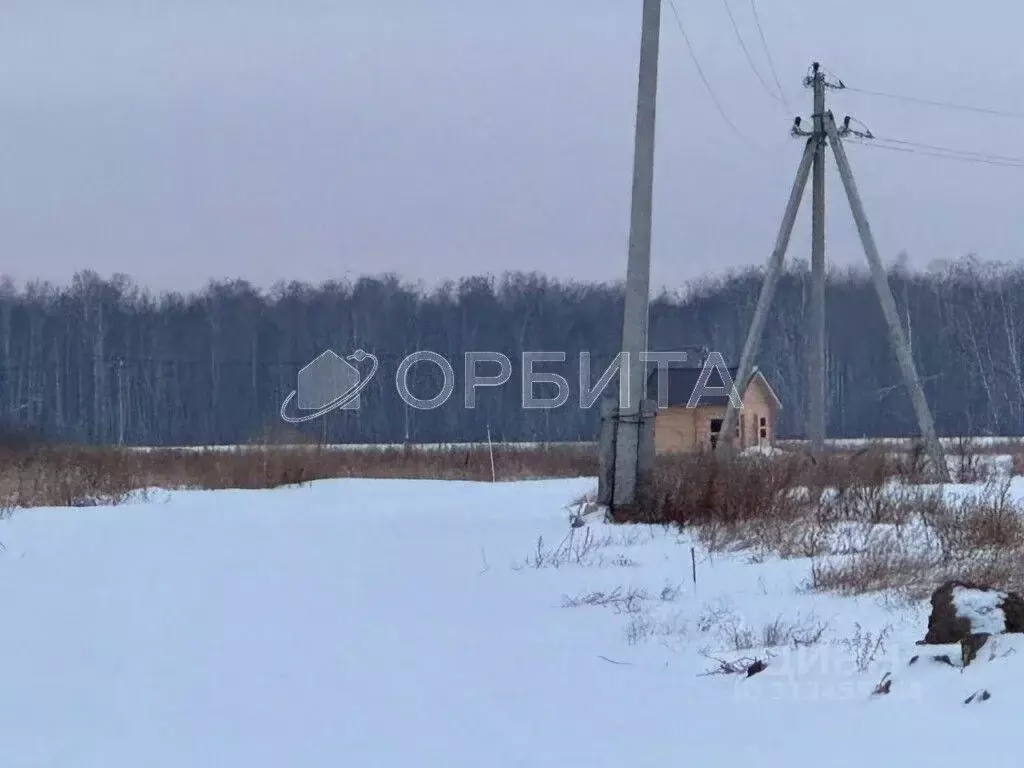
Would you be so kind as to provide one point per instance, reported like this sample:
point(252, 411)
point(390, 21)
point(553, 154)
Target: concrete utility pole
point(897, 338)
point(628, 450)
point(120, 402)
point(764, 301)
point(826, 131)
point(816, 337)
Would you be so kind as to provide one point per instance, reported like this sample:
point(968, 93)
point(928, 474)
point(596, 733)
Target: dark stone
point(982, 695)
point(946, 627)
point(970, 646)
point(884, 686)
point(1013, 607)
point(943, 659)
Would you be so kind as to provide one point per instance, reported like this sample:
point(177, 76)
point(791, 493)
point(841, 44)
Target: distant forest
point(102, 361)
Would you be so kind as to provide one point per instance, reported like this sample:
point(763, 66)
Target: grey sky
point(182, 140)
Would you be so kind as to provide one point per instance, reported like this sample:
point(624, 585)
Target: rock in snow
point(962, 609)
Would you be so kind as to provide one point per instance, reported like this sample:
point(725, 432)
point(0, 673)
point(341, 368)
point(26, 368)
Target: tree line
point(104, 361)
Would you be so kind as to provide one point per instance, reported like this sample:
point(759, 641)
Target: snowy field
point(423, 624)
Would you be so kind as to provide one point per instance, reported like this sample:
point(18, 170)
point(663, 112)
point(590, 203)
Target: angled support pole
point(764, 301)
point(896, 336)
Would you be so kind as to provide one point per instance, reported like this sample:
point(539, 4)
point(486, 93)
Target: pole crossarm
point(817, 74)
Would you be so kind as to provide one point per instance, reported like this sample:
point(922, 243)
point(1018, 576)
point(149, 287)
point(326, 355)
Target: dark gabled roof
point(683, 381)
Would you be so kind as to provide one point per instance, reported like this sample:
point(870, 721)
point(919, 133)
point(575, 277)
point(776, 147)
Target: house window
point(764, 428)
point(716, 430)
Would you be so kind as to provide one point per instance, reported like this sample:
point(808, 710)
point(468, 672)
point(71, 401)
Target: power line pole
point(628, 450)
point(120, 401)
point(771, 280)
point(816, 337)
point(897, 338)
point(825, 132)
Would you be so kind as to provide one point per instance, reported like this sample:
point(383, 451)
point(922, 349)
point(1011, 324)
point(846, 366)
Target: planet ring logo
point(328, 383)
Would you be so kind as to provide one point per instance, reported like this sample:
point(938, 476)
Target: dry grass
point(865, 518)
point(775, 634)
point(34, 474)
point(630, 601)
point(713, 492)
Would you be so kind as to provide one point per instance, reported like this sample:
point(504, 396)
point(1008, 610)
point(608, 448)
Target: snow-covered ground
point(949, 443)
point(421, 624)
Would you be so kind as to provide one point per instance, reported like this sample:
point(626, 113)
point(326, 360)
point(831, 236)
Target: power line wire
point(746, 51)
point(952, 150)
point(968, 158)
point(934, 150)
point(934, 103)
point(768, 53)
point(703, 77)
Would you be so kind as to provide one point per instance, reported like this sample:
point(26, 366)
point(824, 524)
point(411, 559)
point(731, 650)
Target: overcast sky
point(183, 140)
